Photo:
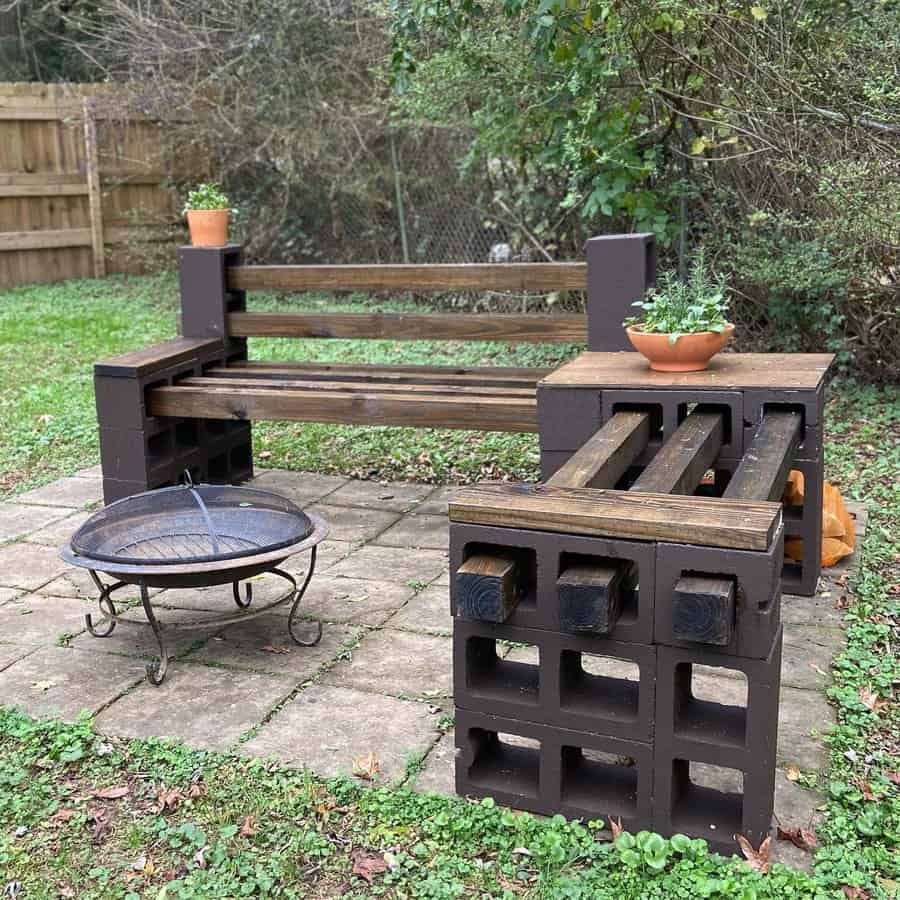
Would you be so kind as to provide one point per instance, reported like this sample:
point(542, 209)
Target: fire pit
point(195, 536)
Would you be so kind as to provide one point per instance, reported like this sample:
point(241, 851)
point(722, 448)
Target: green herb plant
point(676, 307)
point(206, 196)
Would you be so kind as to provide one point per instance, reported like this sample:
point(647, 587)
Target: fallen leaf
point(248, 827)
point(893, 776)
point(855, 893)
point(67, 891)
point(758, 860)
point(43, 686)
point(792, 772)
point(139, 863)
point(870, 700)
point(167, 799)
point(615, 826)
point(61, 816)
point(111, 793)
point(197, 789)
point(265, 454)
point(200, 857)
point(367, 864)
point(866, 789)
point(366, 766)
point(799, 837)
point(270, 649)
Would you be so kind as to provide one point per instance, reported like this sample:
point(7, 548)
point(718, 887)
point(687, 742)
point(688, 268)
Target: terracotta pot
point(208, 227)
point(690, 353)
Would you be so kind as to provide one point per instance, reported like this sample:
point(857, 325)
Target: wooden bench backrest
point(618, 270)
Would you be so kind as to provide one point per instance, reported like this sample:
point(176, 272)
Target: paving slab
point(329, 553)
point(436, 503)
point(398, 663)
point(206, 707)
point(301, 487)
point(354, 524)
point(73, 492)
point(326, 727)
point(427, 611)
point(264, 645)
point(28, 566)
point(359, 600)
point(7, 594)
point(415, 531)
point(17, 519)
point(438, 773)
point(10, 653)
point(819, 609)
point(62, 681)
point(75, 582)
point(95, 471)
point(806, 658)
point(392, 564)
point(59, 532)
point(396, 496)
point(39, 620)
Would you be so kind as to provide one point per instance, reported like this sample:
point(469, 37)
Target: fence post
point(95, 197)
point(620, 268)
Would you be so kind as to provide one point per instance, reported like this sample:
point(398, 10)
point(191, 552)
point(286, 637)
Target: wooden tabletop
point(726, 371)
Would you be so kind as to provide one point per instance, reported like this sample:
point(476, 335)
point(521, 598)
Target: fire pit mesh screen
point(191, 523)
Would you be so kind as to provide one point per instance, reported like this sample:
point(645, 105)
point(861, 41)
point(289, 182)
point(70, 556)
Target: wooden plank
point(411, 327)
point(453, 277)
point(147, 360)
point(45, 240)
point(679, 465)
point(41, 179)
point(488, 588)
point(95, 198)
point(362, 407)
point(44, 190)
point(606, 456)
point(766, 464)
point(706, 521)
point(726, 371)
point(703, 610)
point(590, 597)
point(409, 389)
point(397, 374)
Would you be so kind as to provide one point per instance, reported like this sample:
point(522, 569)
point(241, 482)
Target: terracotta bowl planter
point(690, 353)
point(208, 227)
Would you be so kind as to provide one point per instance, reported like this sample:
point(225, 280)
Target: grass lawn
point(89, 818)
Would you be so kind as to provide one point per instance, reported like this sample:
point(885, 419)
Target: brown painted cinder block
point(567, 417)
point(739, 738)
point(542, 556)
point(757, 581)
point(570, 681)
point(810, 403)
point(553, 770)
point(621, 267)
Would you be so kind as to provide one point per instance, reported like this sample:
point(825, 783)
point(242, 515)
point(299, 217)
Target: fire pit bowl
point(194, 536)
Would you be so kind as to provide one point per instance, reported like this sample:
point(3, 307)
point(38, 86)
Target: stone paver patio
point(380, 680)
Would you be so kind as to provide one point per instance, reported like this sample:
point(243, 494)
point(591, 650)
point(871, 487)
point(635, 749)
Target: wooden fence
point(85, 189)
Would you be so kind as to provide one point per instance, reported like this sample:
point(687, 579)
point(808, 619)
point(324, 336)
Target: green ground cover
point(304, 837)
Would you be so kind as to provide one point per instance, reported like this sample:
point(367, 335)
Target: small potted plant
point(684, 324)
point(207, 212)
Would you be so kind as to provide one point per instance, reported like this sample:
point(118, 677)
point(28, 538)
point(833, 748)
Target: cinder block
point(810, 404)
point(543, 556)
point(587, 684)
point(567, 417)
point(552, 770)
point(757, 581)
point(669, 409)
point(805, 522)
point(742, 739)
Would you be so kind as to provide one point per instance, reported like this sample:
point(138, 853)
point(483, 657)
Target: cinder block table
point(584, 607)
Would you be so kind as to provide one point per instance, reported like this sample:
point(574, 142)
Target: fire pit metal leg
point(107, 607)
point(247, 599)
point(156, 670)
point(298, 596)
